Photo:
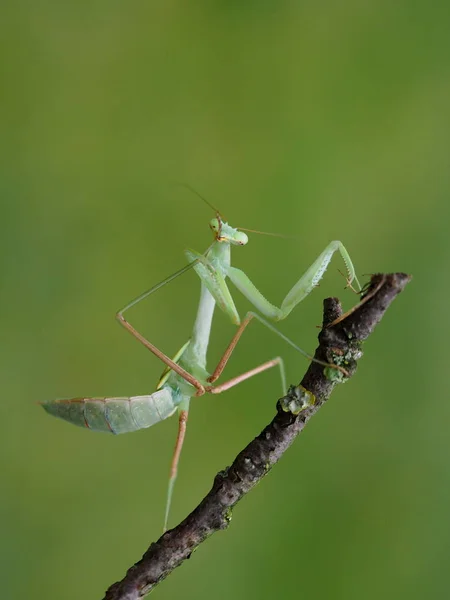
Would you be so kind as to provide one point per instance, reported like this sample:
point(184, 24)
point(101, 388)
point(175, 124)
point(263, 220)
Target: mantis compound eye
point(240, 238)
point(214, 225)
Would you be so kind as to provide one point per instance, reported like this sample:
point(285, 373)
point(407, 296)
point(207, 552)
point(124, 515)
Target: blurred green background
point(317, 120)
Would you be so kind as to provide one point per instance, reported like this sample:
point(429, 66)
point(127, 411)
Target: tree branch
point(340, 342)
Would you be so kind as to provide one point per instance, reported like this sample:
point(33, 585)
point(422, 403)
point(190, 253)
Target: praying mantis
point(186, 375)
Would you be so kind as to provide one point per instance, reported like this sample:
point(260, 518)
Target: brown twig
point(339, 342)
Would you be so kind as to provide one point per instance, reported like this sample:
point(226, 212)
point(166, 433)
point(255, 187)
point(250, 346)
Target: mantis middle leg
point(163, 357)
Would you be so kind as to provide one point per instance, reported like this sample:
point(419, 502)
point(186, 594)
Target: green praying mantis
point(186, 375)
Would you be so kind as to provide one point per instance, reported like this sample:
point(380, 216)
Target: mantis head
point(225, 233)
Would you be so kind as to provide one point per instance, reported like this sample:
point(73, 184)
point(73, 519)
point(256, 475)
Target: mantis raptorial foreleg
point(304, 286)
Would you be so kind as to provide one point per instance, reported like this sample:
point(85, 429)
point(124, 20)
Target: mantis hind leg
point(278, 361)
point(182, 424)
point(227, 354)
point(232, 345)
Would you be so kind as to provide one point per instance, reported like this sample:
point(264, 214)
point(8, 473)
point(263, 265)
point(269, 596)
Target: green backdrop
point(319, 120)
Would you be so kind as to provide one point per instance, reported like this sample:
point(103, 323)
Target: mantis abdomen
point(115, 415)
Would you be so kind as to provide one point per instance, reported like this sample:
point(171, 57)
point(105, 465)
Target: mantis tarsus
point(186, 375)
